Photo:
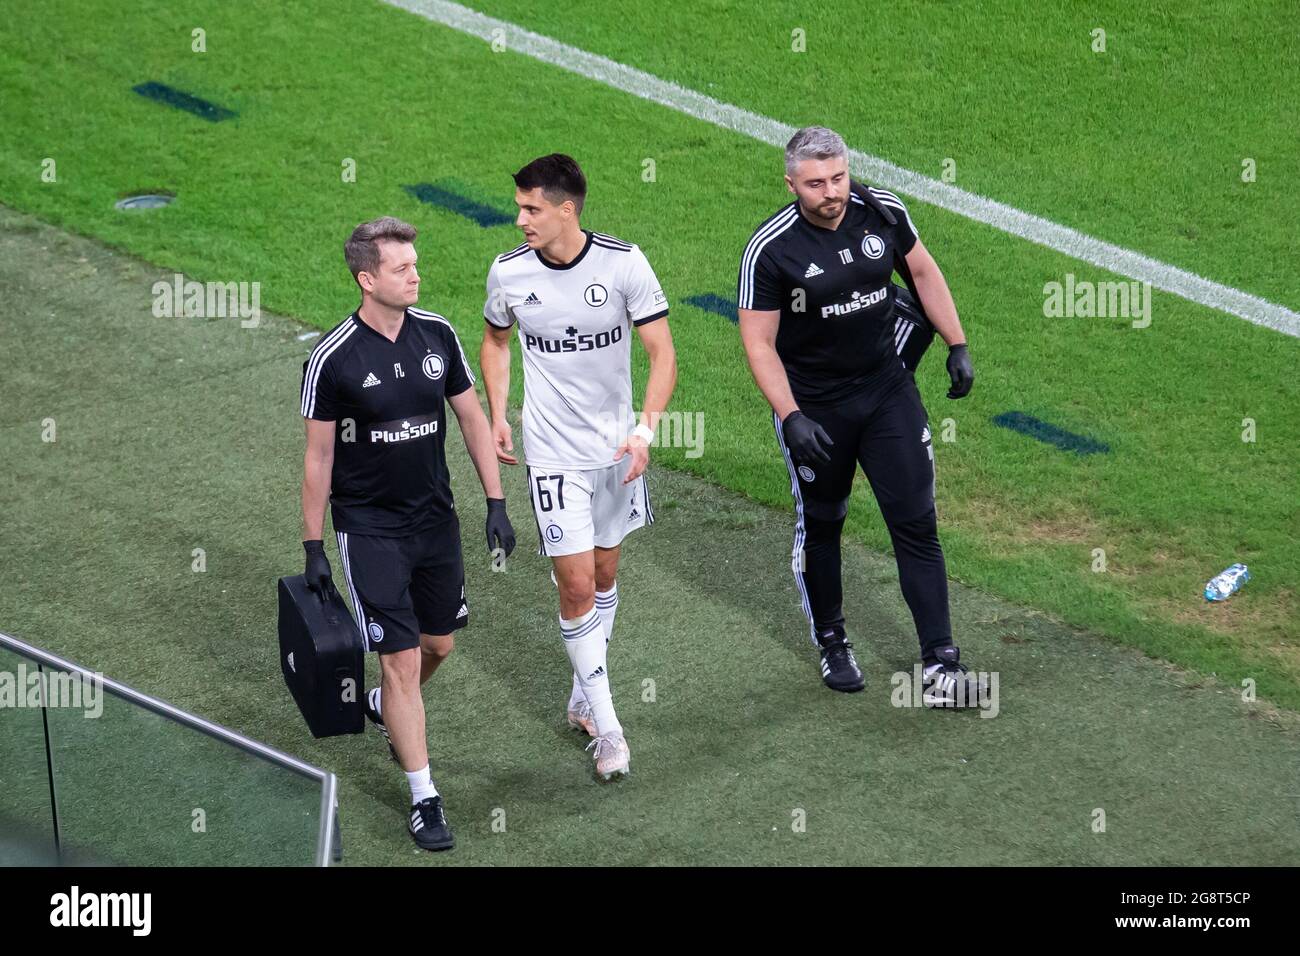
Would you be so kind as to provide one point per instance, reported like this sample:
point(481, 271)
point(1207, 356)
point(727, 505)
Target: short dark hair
point(362, 248)
point(559, 177)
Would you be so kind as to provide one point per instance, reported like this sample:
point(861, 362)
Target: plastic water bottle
point(1227, 583)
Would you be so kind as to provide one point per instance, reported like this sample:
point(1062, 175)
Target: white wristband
point(645, 433)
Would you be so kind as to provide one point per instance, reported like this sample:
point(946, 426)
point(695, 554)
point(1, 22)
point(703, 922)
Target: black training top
point(833, 290)
point(390, 471)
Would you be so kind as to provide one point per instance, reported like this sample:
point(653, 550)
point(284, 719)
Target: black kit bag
point(322, 658)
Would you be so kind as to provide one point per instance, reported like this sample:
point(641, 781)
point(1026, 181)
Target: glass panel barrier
point(111, 776)
point(26, 810)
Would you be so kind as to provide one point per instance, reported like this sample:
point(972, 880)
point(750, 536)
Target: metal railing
point(327, 837)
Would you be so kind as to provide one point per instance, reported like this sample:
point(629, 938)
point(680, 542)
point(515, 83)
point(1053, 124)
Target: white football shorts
point(577, 511)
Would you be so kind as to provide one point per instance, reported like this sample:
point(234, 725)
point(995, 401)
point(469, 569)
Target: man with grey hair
point(373, 392)
point(818, 318)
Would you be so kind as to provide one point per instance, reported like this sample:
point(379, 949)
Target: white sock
point(421, 784)
point(584, 642)
point(576, 696)
point(606, 607)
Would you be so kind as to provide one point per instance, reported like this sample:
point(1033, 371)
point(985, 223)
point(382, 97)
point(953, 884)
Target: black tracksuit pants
point(889, 437)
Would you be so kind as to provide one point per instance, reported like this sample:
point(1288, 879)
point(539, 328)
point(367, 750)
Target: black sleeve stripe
point(611, 239)
point(650, 318)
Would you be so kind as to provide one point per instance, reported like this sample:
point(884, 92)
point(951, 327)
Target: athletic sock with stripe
point(584, 642)
point(606, 607)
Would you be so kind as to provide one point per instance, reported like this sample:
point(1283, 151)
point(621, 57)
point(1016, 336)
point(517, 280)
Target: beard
point(829, 210)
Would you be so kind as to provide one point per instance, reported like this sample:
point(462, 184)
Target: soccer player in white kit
point(576, 296)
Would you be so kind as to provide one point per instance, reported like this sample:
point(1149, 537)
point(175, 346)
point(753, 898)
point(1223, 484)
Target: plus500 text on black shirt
point(841, 342)
point(391, 478)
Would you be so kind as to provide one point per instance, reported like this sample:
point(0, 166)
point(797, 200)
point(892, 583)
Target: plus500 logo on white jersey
point(857, 303)
point(575, 343)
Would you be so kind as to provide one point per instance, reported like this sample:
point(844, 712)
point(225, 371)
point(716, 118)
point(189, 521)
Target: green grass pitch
point(176, 434)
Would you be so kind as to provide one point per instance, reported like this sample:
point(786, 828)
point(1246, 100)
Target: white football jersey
point(575, 328)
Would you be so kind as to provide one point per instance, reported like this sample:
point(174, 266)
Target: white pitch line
point(878, 171)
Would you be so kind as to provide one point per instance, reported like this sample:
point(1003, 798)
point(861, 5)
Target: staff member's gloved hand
point(318, 575)
point(806, 439)
point(500, 533)
point(960, 371)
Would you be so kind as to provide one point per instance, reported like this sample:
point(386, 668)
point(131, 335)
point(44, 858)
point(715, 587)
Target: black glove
point(806, 439)
point(499, 528)
point(318, 575)
point(960, 371)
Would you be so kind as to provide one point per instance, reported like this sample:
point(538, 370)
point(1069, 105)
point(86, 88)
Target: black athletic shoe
point(950, 685)
point(374, 717)
point(839, 669)
point(429, 825)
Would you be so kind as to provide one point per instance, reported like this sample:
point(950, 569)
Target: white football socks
point(584, 642)
point(421, 784)
point(606, 607)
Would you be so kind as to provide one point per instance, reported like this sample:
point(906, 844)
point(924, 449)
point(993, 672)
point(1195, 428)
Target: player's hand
point(500, 533)
point(639, 449)
point(960, 371)
point(806, 439)
point(503, 442)
point(318, 575)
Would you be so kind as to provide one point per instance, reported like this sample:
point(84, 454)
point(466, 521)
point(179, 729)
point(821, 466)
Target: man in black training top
point(372, 396)
point(823, 336)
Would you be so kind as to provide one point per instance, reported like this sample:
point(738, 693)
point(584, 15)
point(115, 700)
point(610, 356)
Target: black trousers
point(889, 437)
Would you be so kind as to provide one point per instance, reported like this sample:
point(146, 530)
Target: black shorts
point(401, 588)
point(887, 434)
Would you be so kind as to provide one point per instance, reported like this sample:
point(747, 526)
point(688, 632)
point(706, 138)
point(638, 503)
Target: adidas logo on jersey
point(371, 381)
point(813, 270)
point(532, 299)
